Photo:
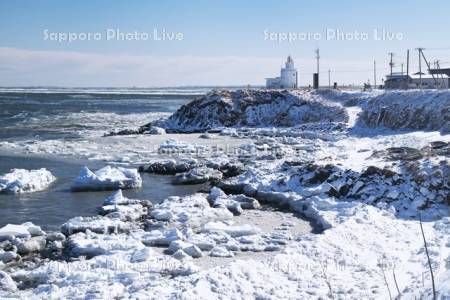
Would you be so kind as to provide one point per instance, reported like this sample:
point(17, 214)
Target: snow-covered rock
point(34, 244)
point(12, 231)
point(131, 212)
point(107, 178)
point(429, 110)
point(25, 181)
point(6, 283)
point(156, 130)
point(253, 108)
point(25, 230)
point(162, 237)
point(7, 256)
point(221, 251)
point(92, 244)
point(189, 249)
point(193, 211)
point(198, 176)
point(97, 224)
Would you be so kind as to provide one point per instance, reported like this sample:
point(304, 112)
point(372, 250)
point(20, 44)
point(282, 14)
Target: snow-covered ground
point(365, 188)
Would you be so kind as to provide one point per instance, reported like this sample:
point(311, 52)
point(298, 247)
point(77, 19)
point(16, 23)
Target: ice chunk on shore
point(98, 224)
point(233, 231)
point(107, 178)
point(161, 238)
point(6, 282)
point(92, 244)
point(192, 211)
point(12, 231)
point(187, 248)
point(26, 230)
point(221, 251)
point(25, 181)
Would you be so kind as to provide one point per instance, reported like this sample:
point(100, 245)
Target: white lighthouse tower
point(288, 77)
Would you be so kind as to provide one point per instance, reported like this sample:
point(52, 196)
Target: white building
point(440, 81)
point(426, 81)
point(288, 77)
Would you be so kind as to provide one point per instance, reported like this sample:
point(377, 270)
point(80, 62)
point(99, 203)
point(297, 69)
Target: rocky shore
point(330, 157)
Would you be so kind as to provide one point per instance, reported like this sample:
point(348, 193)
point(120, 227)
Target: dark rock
point(169, 167)
point(228, 169)
point(231, 188)
point(320, 175)
point(404, 153)
point(125, 132)
point(372, 170)
point(332, 192)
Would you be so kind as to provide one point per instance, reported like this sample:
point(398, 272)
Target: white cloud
point(20, 67)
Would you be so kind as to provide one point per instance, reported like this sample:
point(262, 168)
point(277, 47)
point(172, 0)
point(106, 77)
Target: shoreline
point(365, 192)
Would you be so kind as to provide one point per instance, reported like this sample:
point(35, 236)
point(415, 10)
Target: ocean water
point(43, 113)
point(30, 114)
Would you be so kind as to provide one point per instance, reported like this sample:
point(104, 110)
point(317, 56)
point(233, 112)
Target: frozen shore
point(363, 188)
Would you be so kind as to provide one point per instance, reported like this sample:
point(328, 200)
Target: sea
point(48, 113)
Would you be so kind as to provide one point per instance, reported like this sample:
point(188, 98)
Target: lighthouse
point(288, 77)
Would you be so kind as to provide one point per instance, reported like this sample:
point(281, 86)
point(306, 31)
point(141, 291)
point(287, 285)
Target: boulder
point(168, 167)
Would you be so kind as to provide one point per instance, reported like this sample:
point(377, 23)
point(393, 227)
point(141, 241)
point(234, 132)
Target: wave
point(191, 91)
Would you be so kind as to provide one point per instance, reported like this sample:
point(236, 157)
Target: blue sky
point(223, 42)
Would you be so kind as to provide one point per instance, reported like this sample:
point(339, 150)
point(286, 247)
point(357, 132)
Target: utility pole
point(318, 58)
point(391, 64)
point(420, 66)
point(402, 68)
point(407, 62)
point(375, 73)
point(329, 79)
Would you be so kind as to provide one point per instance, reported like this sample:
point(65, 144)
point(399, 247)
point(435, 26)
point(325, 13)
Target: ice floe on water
point(107, 178)
point(25, 181)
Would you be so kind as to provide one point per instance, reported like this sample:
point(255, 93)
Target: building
point(288, 77)
point(397, 81)
point(439, 81)
point(445, 71)
point(401, 81)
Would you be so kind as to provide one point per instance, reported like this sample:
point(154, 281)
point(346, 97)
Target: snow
point(6, 282)
point(363, 188)
point(25, 230)
point(25, 181)
point(107, 178)
point(233, 231)
point(193, 211)
point(252, 108)
point(92, 244)
point(98, 224)
point(156, 130)
point(415, 109)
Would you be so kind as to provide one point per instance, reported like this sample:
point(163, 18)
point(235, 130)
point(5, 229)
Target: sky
point(213, 42)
